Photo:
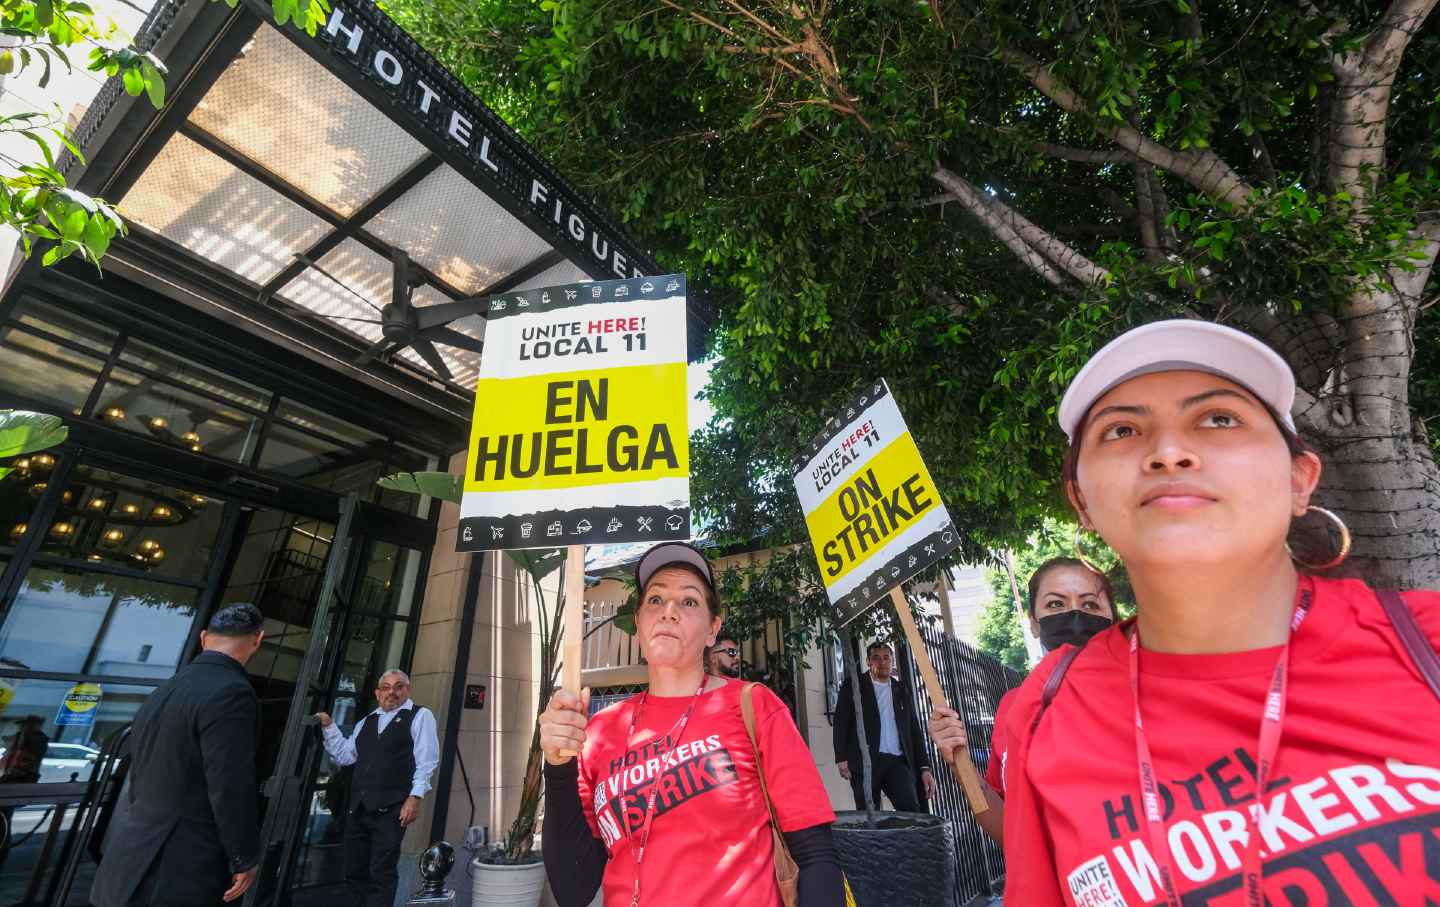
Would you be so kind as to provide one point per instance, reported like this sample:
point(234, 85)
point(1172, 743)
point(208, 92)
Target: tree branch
point(1083, 155)
point(1364, 80)
point(1410, 284)
point(997, 215)
point(969, 198)
point(1145, 214)
point(1202, 169)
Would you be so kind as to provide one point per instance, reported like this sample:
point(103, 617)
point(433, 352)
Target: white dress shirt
point(889, 729)
point(422, 735)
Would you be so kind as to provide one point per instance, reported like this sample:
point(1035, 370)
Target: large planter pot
point(908, 858)
point(506, 886)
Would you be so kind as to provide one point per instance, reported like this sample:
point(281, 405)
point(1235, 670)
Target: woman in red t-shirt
point(1069, 603)
point(1258, 734)
point(665, 799)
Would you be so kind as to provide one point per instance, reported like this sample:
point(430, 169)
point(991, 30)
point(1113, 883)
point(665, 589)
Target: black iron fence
point(974, 683)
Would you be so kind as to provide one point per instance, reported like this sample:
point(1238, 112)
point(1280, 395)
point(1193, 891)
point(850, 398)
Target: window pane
point(172, 414)
point(388, 584)
point(70, 325)
point(60, 752)
point(107, 517)
point(312, 421)
point(20, 491)
point(404, 459)
point(374, 646)
point(65, 619)
point(183, 371)
point(46, 371)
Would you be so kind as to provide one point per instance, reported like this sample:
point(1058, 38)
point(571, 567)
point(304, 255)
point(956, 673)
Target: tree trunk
point(1380, 473)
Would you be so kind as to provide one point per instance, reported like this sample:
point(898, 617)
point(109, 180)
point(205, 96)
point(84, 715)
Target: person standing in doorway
point(395, 751)
point(192, 832)
point(892, 733)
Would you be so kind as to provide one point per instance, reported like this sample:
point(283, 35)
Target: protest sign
point(874, 514)
point(876, 519)
point(580, 433)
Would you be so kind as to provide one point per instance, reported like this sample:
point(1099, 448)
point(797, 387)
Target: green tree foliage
point(967, 198)
point(43, 34)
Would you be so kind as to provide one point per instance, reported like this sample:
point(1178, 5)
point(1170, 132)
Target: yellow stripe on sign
point(888, 494)
point(574, 429)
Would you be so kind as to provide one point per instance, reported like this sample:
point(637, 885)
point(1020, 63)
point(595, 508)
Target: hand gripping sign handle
point(964, 768)
point(573, 617)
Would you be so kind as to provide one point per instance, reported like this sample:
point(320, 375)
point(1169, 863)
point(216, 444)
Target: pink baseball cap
point(1180, 345)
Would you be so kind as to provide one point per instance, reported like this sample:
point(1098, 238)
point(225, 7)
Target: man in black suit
point(893, 735)
point(191, 834)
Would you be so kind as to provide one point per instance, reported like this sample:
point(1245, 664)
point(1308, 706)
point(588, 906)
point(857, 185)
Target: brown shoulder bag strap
point(747, 711)
point(1052, 683)
point(1422, 653)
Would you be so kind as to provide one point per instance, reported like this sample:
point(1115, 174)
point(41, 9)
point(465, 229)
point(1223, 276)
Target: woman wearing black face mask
point(1069, 603)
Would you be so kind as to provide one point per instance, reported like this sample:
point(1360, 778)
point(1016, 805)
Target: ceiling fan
point(403, 324)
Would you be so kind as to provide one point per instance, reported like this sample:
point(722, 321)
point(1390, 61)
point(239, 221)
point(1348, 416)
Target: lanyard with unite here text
point(1271, 723)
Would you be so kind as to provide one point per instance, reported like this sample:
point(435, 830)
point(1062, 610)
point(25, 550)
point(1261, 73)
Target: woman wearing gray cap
point(662, 797)
point(1258, 734)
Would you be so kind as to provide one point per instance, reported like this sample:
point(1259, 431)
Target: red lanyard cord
point(672, 740)
point(1272, 721)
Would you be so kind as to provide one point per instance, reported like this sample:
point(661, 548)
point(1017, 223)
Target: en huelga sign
point(580, 433)
point(874, 514)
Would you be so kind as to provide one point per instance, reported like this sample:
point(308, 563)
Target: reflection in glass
point(170, 413)
point(107, 517)
point(45, 371)
point(388, 584)
point(404, 459)
point(17, 500)
point(323, 463)
point(104, 621)
point(184, 371)
point(67, 324)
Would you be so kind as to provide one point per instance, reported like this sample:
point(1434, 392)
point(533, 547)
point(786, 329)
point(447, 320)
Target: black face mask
point(1073, 627)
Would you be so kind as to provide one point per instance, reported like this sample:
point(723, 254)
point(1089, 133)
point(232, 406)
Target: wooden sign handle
point(964, 768)
point(574, 619)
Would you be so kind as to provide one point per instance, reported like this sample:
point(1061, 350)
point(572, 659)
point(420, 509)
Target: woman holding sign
point(664, 796)
point(1069, 603)
point(1258, 733)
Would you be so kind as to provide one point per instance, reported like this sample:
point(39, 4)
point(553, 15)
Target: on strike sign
point(874, 514)
point(580, 433)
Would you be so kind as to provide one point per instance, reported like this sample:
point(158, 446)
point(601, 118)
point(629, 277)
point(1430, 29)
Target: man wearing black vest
point(395, 751)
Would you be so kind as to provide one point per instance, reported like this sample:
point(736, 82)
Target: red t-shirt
point(999, 745)
point(1353, 812)
point(710, 839)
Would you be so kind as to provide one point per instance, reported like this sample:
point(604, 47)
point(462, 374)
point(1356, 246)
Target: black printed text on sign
point(874, 514)
point(580, 433)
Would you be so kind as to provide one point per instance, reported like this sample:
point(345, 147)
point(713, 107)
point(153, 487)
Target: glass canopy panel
point(318, 135)
point(564, 272)
point(458, 232)
point(192, 197)
point(351, 282)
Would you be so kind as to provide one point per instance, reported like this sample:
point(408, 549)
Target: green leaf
point(538, 562)
point(134, 82)
point(442, 485)
point(23, 432)
point(44, 13)
point(154, 84)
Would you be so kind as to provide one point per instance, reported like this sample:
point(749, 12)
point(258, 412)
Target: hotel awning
point(290, 179)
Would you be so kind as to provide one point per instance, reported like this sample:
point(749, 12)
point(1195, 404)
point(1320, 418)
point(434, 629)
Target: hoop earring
point(1345, 540)
point(1080, 553)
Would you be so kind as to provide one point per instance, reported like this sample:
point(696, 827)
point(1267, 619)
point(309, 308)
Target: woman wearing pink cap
point(1258, 733)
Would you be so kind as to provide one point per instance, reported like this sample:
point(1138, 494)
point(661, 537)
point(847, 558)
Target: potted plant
point(23, 432)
